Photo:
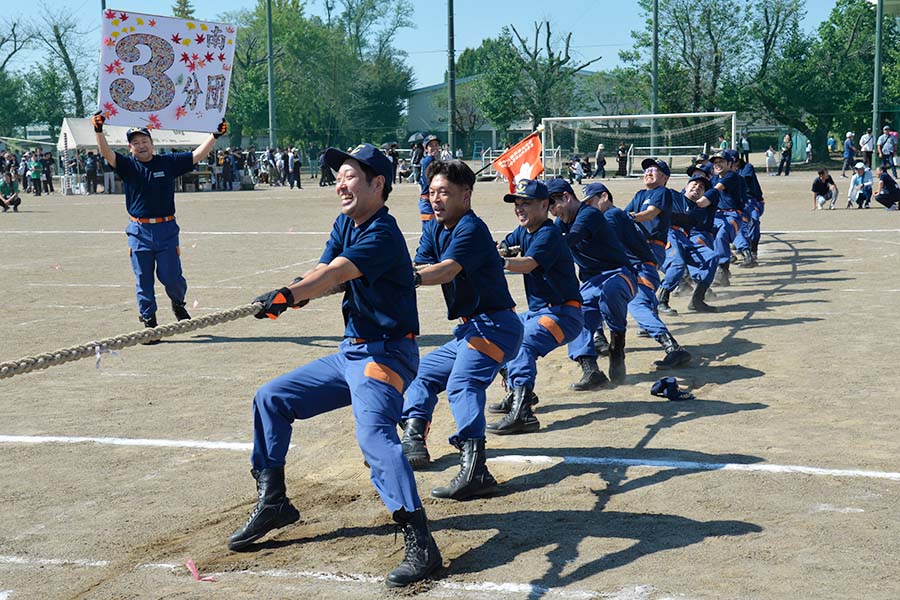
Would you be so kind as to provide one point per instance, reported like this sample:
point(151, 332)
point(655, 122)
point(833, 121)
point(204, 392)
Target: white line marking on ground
point(786, 231)
point(52, 562)
point(877, 241)
point(273, 270)
point(837, 509)
point(509, 458)
point(5, 594)
point(131, 286)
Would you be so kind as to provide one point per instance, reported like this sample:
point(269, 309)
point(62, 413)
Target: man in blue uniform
point(373, 366)
point(460, 253)
point(691, 242)
point(755, 206)
point(554, 316)
point(432, 148)
point(148, 180)
point(729, 214)
point(608, 281)
point(640, 227)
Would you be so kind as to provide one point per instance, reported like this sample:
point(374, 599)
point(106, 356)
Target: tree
point(12, 108)
point(497, 86)
point(13, 39)
point(58, 35)
point(47, 98)
point(468, 117)
point(183, 9)
point(546, 85)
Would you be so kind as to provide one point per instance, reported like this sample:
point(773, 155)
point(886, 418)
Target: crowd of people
point(30, 172)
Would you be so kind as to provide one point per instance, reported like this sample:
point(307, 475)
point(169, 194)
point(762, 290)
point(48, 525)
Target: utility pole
point(451, 77)
point(654, 77)
point(271, 76)
point(876, 93)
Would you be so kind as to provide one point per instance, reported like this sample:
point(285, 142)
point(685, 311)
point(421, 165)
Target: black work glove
point(98, 120)
point(221, 130)
point(275, 303)
point(506, 250)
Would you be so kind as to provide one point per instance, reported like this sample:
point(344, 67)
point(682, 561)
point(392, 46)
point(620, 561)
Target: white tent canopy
point(79, 134)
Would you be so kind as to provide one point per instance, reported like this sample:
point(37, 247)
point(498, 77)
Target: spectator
point(888, 192)
point(283, 166)
point(394, 156)
point(9, 193)
point(622, 160)
point(459, 154)
point(770, 160)
point(787, 147)
point(745, 148)
point(808, 151)
point(23, 173)
point(600, 161)
point(47, 173)
point(445, 153)
point(418, 153)
point(860, 187)
point(227, 170)
point(867, 147)
point(723, 143)
point(240, 163)
point(832, 144)
point(272, 167)
point(887, 147)
point(90, 171)
point(296, 166)
point(849, 153)
point(404, 171)
point(576, 171)
point(823, 190)
point(35, 168)
point(109, 177)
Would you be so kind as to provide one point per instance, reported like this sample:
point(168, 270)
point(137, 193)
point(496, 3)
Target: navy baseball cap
point(655, 162)
point(705, 168)
point(724, 155)
point(559, 185)
point(366, 154)
point(702, 157)
point(528, 189)
point(698, 177)
point(137, 131)
point(431, 138)
point(595, 189)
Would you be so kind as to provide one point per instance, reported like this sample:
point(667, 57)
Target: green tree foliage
point(498, 86)
point(183, 9)
point(47, 98)
point(331, 87)
point(13, 111)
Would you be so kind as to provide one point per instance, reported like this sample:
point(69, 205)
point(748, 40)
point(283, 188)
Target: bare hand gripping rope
point(91, 349)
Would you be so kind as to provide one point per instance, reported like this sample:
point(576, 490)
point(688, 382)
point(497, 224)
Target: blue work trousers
point(545, 330)
point(371, 377)
point(728, 224)
point(465, 367)
point(694, 253)
point(643, 307)
point(154, 246)
point(605, 297)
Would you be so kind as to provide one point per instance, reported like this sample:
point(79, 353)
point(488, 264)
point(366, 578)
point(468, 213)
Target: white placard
point(164, 73)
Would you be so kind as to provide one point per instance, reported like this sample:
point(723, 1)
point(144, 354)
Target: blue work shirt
point(730, 198)
point(150, 186)
point(381, 304)
point(656, 228)
point(553, 281)
point(691, 217)
point(481, 285)
point(632, 238)
point(424, 204)
point(748, 173)
point(593, 243)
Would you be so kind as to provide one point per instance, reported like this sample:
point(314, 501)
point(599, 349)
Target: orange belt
point(153, 220)
point(469, 318)
point(572, 303)
point(679, 228)
point(657, 242)
point(408, 336)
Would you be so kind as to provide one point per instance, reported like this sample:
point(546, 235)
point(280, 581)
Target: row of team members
point(377, 369)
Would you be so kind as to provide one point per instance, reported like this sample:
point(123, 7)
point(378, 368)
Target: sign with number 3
point(164, 73)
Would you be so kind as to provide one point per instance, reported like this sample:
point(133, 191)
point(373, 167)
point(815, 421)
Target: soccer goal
point(676, 138)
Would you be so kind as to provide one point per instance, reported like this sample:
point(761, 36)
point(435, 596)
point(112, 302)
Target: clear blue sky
point(599, 28)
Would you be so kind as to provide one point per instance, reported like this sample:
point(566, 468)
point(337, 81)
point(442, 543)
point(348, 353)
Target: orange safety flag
point(522, 161)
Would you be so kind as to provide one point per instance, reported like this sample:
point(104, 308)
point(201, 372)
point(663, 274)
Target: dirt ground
point(620, 494)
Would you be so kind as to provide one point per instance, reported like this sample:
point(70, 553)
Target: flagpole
point(540, 129)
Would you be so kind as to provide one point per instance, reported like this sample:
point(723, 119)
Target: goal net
point(676, 138)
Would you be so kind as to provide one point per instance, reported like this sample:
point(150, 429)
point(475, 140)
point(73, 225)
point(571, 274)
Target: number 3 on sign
point(162, 89)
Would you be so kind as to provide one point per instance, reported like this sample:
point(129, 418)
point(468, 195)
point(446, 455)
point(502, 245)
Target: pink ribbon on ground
point(193, 569)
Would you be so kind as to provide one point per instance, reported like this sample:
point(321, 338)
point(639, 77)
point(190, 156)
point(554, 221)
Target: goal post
point(676, 138)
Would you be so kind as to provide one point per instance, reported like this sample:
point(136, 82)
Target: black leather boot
point(502, 407)
point(181, 313)
point(473, 478)
point(592, 377)
point(676, 355)
point(150, 323)
point(748, 260)
point(422, 557)
point(520, 418)
point(601, 344)
point(617, 357)
point(663, 297)
point(273, 509)
point(698, 300)
point(413, 441)
point(723, 276)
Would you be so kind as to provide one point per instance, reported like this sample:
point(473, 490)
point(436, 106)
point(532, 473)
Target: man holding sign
point(148, 180)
